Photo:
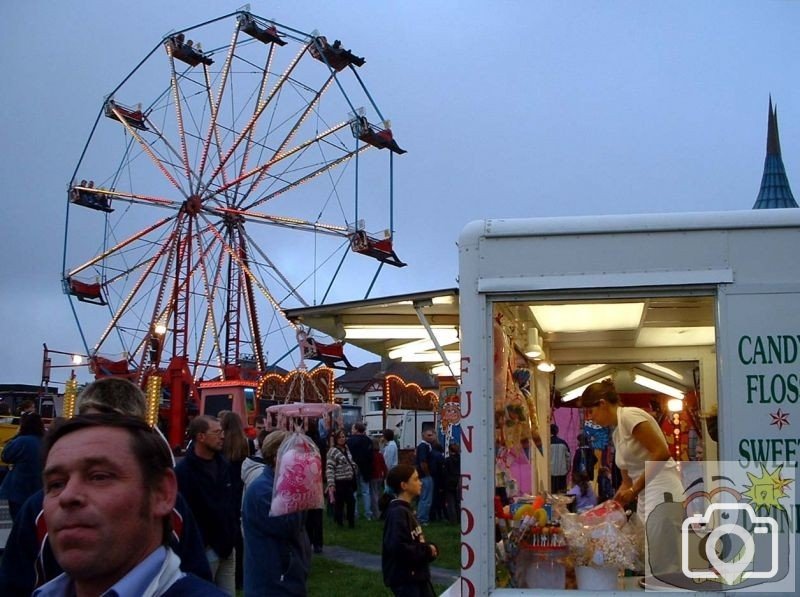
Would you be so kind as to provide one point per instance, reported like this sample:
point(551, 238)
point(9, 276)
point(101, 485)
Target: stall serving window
point(658, 349)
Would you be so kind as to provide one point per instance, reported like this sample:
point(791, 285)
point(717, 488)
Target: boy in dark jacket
point(406, 556)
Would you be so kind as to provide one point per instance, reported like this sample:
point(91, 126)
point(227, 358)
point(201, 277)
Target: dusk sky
point(507, 109)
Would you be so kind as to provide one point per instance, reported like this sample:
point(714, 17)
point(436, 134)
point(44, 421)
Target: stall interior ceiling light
point(675, 405)
point(652, 383)
point(676, 336)
point(582, 372)
point(664, 371)
point(576, 392)
point(546, 367)
point(399, 332)
point(588, 317)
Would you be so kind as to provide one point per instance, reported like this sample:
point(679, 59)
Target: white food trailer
point(720, 291)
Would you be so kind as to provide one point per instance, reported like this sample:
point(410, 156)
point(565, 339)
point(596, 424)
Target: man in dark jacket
point(361, 449)
point(204, 479)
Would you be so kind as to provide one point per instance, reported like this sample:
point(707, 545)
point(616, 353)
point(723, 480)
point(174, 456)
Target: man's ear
point(164, 494)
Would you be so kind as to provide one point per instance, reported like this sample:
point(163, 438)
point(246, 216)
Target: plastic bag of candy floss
point(609, 511)
point(298, 477)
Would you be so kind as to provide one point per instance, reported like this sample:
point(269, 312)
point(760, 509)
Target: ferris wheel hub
point(193, 205)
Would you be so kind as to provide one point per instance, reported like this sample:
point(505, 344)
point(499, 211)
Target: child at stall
point(406, 556)
point(585, 497)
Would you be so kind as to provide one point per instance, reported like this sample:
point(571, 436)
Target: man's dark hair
point(553, 429)
point(199, 425)
point(360, 427)
point(388, 435)
point(148, 447)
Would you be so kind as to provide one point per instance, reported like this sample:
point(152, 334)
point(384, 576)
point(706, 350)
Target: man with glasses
point(204, 479)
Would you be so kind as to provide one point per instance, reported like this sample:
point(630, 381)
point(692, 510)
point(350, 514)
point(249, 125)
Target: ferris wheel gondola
point(224, 189)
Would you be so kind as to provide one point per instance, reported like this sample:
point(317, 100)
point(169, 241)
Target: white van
point(407, 425)
point(712, 297)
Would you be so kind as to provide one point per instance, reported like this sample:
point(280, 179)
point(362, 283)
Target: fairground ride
point(228, 177)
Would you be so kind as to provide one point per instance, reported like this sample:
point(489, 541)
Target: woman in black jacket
point(406, 556)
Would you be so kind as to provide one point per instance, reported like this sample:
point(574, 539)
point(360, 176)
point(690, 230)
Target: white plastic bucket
point(596, 578)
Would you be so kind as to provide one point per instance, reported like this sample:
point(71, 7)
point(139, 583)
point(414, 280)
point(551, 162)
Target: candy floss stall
point(538, 542)
point(724, 284)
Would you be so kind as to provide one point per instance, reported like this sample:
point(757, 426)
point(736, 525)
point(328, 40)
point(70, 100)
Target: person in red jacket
point(378, 476)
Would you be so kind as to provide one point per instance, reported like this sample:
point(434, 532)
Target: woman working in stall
point(643, 457)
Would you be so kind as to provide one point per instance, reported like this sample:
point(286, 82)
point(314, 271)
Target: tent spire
point(775, 191)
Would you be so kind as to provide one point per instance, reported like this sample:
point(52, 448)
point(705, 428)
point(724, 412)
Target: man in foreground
point(28, 560)
point(109, 491)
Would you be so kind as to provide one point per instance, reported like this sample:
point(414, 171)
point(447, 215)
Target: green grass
point(367, 536)
point(330, 578)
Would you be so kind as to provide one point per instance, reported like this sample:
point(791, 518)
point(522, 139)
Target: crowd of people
point(100, 506)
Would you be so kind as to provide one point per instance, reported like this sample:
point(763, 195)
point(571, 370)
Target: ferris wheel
point(242, 168)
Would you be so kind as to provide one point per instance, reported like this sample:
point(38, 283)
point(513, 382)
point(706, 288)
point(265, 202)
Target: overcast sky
point(507, 109)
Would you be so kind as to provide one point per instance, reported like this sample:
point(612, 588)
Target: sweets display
point(540, 541)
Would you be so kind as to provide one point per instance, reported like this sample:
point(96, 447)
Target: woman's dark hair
point(31, 424)
point(235, 446)
point(394, 479)
point(601, 390)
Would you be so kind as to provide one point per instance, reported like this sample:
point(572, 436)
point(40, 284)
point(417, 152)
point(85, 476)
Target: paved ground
point(369, 561)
